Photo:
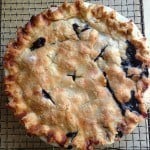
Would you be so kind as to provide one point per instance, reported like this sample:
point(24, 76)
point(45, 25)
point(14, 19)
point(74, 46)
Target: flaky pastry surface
point(76, 76)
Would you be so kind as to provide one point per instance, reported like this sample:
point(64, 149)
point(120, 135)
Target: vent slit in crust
point(86, 27)
point(40, 42)
point(79, 29)
point(72, 135)
point(101, 53)
point(48, 96)
point(75, 28)
point(74, 76)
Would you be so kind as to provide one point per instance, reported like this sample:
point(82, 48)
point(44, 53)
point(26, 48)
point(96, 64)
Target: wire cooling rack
point(15, 13)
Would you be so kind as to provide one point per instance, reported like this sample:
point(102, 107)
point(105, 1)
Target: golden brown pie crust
point(83, 106)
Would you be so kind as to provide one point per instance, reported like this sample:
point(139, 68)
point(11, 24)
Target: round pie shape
point(77, 76)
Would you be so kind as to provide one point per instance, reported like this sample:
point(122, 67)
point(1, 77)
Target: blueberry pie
point(78, 76)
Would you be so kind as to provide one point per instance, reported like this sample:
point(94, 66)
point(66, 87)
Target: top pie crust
point(78, 76)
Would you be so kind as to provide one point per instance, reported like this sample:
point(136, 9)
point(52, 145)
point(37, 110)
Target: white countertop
point(147, 18)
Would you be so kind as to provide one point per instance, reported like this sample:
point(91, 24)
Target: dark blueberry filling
point(130, 76)
point(101, 53)
point(69, 147)
point(132, 105)
point(125, 64)
point(119, 134)
point(131, 60)
point(78, 30)
point(72, 135)
point(145, 72)
point(74, 76)
point(131, 52)
point(47, 95)
point(38, 43)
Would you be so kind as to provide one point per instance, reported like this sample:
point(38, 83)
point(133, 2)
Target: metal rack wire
point(15, 13)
